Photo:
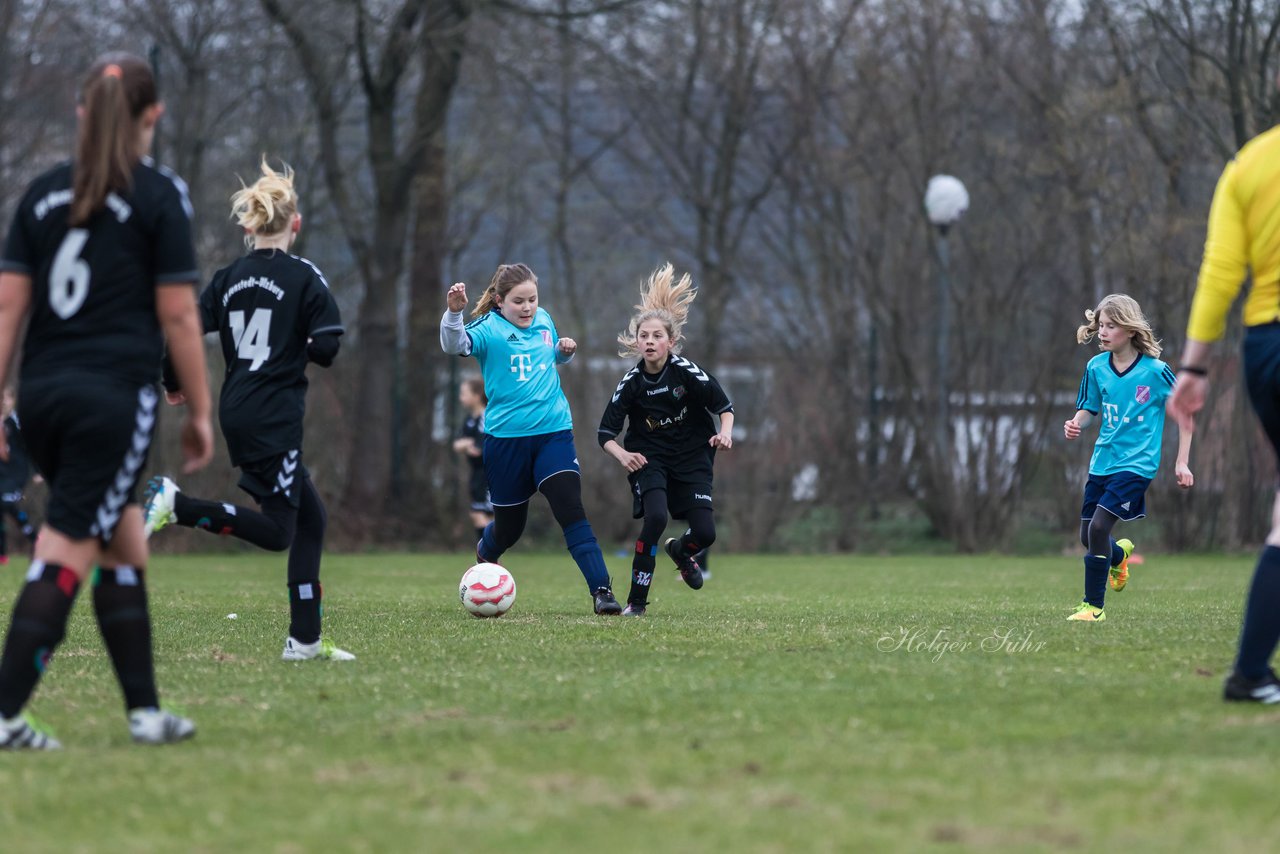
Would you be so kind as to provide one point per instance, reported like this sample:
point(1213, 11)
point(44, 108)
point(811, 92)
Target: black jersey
point(473, 429)
point(93, 301)
point(14, 473)
point(668, 414)
point(265, 307)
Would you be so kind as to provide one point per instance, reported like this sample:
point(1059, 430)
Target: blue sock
point(1096, 570)
point(1261, 629)
point(1117, 553)
point(582, 544)
point(487, 549)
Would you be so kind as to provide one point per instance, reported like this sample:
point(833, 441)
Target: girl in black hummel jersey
point(100, 259)
point(273, 313)
point(671, 440)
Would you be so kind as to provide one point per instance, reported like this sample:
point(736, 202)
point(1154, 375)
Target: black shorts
point(90, 441)
point(478, 488)
point(685, 489)
point(281, 474)
point(1262, 378)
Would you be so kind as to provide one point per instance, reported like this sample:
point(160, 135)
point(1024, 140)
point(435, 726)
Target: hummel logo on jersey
point(1125, 506)
point(513, 338)
point(699, 496)
point(651, 392)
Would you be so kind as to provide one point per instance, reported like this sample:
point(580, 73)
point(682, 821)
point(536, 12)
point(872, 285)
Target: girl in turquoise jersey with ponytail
point(528, 444)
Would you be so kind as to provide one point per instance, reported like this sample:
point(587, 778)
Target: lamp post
point(945, 201)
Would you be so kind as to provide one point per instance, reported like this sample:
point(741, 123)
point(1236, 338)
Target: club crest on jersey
point(677, 392)
point(546, 338)
point(1143, 394)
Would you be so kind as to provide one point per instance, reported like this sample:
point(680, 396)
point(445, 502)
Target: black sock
point(120, 604)
point(480, 533)
point(232, 520)
point(304, 611)
point(642, 572)
point(1261, 630)
point(1097, 568)
point(38, 626)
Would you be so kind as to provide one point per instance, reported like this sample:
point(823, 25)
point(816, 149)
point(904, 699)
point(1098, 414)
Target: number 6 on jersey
point(253, 342)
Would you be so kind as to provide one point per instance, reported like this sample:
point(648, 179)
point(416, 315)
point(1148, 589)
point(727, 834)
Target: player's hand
point(632, 462)
point(567, 346)
point(197, 443)
point(1071, 429)
point(457, 297)
point(1185, 478)
point(175, 398)
point(722, 440)
point(4, 447)
point(1187, 399)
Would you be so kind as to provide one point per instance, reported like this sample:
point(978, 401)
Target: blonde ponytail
point(662, 300)
point(267, 206)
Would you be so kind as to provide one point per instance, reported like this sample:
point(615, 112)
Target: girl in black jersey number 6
point(99, 258)
point(273, 313)
point(672, 439)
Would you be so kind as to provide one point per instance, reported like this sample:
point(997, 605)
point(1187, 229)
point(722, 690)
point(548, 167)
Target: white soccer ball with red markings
point(487, 590)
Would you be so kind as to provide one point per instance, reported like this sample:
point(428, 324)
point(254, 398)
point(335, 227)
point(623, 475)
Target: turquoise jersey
point(520, 377)
point(1132, 408)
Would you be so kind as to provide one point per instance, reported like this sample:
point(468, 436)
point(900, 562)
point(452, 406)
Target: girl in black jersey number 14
point(100, 263)
point(671, 439)
point(273, 314)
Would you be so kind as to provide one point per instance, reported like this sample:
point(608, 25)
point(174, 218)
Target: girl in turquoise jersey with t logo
point(528, 444)
point(1127, 385)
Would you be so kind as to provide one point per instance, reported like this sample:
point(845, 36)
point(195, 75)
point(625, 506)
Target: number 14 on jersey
point(252, 340)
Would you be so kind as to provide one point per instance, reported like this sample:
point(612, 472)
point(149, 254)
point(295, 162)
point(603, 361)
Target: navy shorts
point(90, 441)
point(516, 467)
point(1262, 378)
point(1122, 494)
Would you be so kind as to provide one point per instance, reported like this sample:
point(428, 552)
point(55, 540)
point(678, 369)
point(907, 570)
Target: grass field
point(775, 710)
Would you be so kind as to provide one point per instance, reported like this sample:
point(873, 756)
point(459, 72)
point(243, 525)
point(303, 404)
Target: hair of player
point(506, 277)
point(115, 91)
point(1124, 312)
point(664, 300)
point(268, 205)
point(476, 384)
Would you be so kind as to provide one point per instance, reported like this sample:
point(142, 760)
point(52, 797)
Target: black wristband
point(1194, 369)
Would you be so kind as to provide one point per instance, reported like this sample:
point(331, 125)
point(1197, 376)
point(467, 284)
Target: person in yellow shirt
point(1244, 238)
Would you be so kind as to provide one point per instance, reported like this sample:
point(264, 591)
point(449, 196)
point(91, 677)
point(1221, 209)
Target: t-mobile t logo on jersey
point(1110, 412)
point(521, 364)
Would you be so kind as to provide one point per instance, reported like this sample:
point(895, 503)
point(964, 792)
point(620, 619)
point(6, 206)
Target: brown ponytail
point(116, 90)
point(504, 279)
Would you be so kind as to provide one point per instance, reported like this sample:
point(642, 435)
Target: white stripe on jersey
point(697, 372)
point(178, 184)
point(313, 267)
point(617, 392)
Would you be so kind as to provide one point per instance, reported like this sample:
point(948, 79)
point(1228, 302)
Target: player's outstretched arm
point(453, 332)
